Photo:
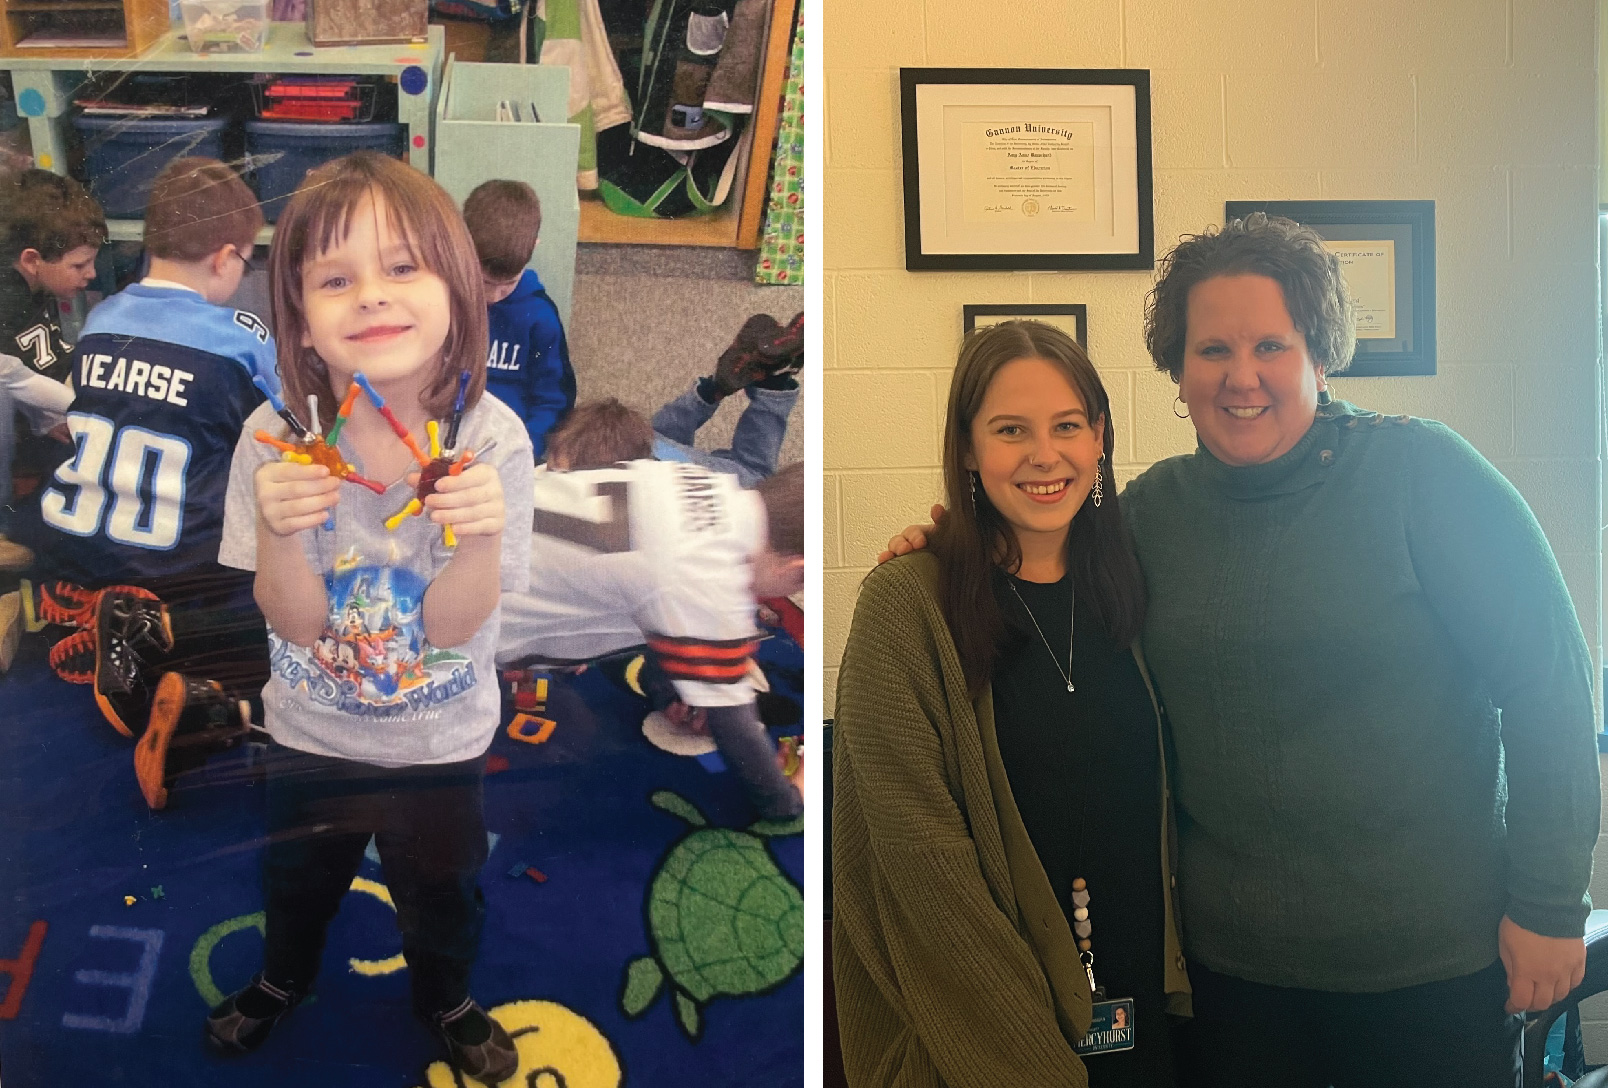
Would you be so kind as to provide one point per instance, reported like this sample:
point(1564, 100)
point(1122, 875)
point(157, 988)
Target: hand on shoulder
point(913, 538)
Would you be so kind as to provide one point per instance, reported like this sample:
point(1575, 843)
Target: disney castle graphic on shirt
point(373, 659)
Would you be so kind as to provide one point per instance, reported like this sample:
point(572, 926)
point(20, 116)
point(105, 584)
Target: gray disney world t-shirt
point(372, 688)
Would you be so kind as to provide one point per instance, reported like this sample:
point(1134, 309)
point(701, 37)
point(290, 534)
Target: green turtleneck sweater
point(1354, 642)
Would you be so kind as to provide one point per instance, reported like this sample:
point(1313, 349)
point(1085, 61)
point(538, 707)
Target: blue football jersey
point(163, 385)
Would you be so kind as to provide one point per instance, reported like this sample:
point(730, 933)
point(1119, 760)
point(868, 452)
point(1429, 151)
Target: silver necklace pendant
point(1066, 674)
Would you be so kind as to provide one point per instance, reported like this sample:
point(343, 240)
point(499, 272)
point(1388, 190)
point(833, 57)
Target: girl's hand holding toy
point(293, 496)
point(469, 503)
point(304, 485)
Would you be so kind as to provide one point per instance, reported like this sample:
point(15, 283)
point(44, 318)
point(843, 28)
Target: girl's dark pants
point(428, 823)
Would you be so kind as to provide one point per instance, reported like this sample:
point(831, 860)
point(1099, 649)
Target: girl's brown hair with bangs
point(420, 211)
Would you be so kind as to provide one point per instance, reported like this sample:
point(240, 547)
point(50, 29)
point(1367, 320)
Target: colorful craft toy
point(311, 448)
point(432, 468)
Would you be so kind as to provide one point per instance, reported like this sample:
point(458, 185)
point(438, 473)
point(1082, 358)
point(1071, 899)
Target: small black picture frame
point(1396, 338)
point(1094, 212)
point(996, 312)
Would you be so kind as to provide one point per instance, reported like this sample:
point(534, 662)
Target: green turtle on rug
point(723, 918)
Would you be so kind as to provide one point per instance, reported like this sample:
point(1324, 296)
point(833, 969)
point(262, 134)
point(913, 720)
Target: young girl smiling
point(374, 274)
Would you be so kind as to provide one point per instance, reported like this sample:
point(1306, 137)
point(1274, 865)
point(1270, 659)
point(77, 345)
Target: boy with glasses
point(130, 521)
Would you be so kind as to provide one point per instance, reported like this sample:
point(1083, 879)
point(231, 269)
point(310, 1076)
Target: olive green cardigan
point(953, 963)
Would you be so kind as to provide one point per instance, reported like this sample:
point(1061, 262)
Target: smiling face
point(1250, 384)
point(371, 306)
point(1034, 450)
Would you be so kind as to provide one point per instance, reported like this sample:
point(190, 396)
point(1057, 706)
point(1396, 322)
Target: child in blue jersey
point(128, 522)
point(382, 697)
point(528, 366)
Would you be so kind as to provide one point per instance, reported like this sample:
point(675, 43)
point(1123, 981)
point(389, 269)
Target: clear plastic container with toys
point(225, 26)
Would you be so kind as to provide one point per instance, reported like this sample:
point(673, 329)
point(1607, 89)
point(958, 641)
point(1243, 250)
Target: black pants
point(1453, 1033)
point(428, 822)
point(218, 632)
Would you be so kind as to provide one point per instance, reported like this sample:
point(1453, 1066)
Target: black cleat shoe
point(134, 615)
point(241, 1022)
point(190, 721)
point(127, 621)
point(477, 1046)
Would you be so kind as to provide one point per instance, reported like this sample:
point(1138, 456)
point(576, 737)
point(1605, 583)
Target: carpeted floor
point(626, 944)
point(649, 320)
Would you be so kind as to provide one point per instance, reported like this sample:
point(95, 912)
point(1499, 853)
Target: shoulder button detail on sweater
point(1326, 457)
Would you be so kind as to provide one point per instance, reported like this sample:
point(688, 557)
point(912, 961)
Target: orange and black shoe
point(128, 622)
point(135, 615)
point(66, 604)
point(73, 658)
point(190, 721)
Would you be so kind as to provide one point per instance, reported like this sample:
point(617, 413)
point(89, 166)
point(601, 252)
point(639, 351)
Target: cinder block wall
point(1487, 107)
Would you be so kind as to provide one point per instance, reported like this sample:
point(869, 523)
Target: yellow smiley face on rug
point(558, 1048)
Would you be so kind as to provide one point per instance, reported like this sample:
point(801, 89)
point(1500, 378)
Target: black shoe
point(477, 1046)
point(190, 721)
point(242, 1021)
point(742, 364)
point(127, 622)
point(137, 616)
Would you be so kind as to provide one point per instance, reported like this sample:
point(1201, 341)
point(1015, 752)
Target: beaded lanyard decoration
point(1085, 933)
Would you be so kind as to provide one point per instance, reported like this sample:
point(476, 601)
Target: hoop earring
point(1185, 413)
point(1097, 493)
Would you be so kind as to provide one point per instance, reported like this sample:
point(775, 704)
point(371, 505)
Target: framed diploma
point(1387, 254)
point(1027, 168)
point(1070, 318)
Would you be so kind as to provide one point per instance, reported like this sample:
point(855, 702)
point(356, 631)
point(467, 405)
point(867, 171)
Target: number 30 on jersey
point(128, 483)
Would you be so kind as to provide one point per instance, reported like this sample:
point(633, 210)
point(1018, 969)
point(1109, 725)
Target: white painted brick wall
point(1487, 107)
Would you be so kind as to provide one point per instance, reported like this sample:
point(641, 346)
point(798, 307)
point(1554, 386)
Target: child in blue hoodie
point(528, 367)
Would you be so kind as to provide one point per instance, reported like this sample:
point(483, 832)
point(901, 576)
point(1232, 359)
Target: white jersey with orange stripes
point(654, 552)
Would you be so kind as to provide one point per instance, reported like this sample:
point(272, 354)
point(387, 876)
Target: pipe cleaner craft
point(312, 449)
point(432, 468)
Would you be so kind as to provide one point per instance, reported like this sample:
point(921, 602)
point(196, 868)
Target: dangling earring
point(1180, 401)
point(1097, 493)
point(973, 476)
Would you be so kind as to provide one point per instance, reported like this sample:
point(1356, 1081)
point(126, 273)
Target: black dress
point(1084, 769)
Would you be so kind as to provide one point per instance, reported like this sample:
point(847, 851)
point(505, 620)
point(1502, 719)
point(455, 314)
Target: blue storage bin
point(123, 155)
point(281, 152)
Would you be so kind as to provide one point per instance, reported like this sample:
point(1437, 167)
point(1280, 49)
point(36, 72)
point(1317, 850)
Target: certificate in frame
point(1070, 318)
point(1011, 169)
point(1387, 248)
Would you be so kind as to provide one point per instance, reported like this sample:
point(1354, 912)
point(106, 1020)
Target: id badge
point(1111, 1028)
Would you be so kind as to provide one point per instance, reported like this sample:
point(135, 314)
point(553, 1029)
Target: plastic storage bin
point(123, 155)
point(225, 26)
point(282, 152)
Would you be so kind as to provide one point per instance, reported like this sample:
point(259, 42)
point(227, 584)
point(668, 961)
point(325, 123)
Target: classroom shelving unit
point(739, 223)
point(44, 83)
